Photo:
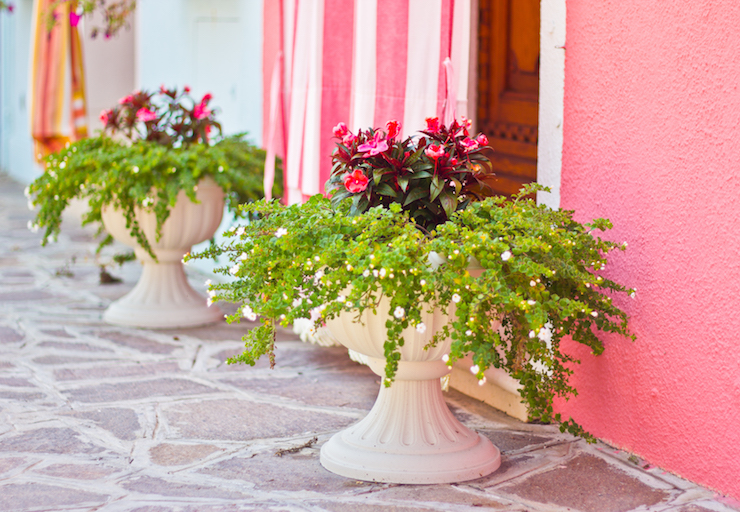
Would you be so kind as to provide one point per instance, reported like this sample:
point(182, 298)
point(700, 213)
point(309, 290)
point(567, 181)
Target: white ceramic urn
point(410, 436)
point(163, 298)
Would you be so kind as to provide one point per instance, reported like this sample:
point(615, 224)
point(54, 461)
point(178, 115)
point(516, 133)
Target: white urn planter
point(409, 436)
point(163, 298)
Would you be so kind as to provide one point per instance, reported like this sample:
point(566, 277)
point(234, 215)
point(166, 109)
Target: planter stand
point(410, 436)
point(163, 298)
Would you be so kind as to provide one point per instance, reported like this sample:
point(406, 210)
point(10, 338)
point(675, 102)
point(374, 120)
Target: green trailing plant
point(152, 148)
point(520, 278)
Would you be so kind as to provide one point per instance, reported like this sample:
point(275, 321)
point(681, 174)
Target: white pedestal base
point(410, 437)
point(162, 298)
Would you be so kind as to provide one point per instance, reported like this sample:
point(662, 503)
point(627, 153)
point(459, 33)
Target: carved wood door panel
point(508, 88)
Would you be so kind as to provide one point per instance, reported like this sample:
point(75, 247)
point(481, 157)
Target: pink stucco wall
point(652, 141)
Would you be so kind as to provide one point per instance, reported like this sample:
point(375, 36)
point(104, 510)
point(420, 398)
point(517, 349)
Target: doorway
point(508, 89)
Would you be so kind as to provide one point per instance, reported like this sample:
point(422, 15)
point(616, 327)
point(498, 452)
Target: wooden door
point(508, 88)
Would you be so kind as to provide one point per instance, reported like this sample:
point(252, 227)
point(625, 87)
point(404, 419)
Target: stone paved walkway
point(101, 418)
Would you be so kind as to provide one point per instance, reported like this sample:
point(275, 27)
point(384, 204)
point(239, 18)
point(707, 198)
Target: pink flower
point(432, 124)
point(482, 140)
point(206, 98)
point(356, 181)
point(105, 116)
point(74, 18)
point(452, 162)
point(469, 144)
point(144, 114)
point(11, 7)
point(340, 130)
point(126, 99)
point(394, 128)
point(375, 146)
point(162, 89)
point(434, 151)
point(186, 89)
point(349, 139)
point(201, 111)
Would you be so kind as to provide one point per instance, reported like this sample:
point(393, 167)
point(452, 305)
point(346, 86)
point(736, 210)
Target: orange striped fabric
point(58, 106)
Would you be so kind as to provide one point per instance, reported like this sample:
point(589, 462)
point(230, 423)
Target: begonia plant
point(153, 145)
point(517, 278)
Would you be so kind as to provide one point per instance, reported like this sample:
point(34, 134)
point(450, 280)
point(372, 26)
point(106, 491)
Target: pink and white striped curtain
point(362, 62)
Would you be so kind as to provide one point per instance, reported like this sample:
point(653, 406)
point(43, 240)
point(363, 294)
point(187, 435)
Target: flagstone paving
point(95, 417)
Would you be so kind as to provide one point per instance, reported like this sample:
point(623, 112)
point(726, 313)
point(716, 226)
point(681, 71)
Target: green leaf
point(449, 203)
point(403, 182)
point(414, 195)
point(385, 190)
point(435, 188)
point(419, 175)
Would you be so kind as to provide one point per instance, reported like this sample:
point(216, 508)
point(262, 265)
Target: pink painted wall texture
point(652, 141)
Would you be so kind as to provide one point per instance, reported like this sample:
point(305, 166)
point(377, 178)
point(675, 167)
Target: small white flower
point(280, 232)
point(632, 293)
point(209, 301)
point(482, 381)
point(349, 268)
point(372, 256)
point(248, 313)
point(234, 270)
point(594, 314)
point(468, 333)
point(211, 293)
point(532, 334)
point(531, 302)
point(445, 358)
point(316, 258)
point(27, 192)
point(240, 231)
point(31, 206)
point(456, 251)
point(399, 312)
point(382, 273)
point(63, 165)
point(375, 272)
point(423, 282)
point(350, 304)
point(135, 169)
point(243, 256)
point(341, 298)
point(208, 282)
point(532, 283)
point(474, 369)
point(588, 285)
point(420, 327)
point(506, 255)
point(456, 298)
point(366, 273)
point(220, 168)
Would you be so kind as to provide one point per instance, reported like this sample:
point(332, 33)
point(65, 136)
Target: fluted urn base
point(162, 298)
point(410, 436)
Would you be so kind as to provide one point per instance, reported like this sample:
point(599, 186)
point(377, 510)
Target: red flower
point(375, 146)
point(434, 151)
point(356, 181)
point(163, 89)
point(482, 140)
point(340, 130)
point(469, 144)
point(432, 124)
point(105, 116)
point(126, 99)
point(394, 128)
point(201, 111)
point(206, 98)
point(144, 114)
point(186, 89)
point(74, 18)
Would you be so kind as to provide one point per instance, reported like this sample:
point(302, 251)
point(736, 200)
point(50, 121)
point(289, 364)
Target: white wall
point(16, 147)
point(211, 45)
